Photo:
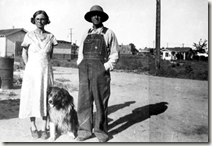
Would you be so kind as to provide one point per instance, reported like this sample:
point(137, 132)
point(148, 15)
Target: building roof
point(144, 50)
point(62, 41)
point(7, 32)
point(63, 44)
point(178, 49)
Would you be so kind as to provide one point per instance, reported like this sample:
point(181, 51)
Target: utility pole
point(71, 41)
point(75, 47)
point(157, 36)
point(71, 35)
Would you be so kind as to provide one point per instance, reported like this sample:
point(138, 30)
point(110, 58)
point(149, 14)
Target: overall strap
point(89, 31)
point(104, 30)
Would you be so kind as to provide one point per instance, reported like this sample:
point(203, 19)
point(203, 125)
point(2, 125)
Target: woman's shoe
point(34, 133)
point(44, 135)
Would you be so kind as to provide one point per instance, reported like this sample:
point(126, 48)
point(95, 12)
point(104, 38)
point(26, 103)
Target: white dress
point(38, 76)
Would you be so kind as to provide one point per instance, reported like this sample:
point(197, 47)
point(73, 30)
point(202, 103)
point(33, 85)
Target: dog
point(61, 113)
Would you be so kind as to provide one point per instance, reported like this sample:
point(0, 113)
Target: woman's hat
point(96, 9)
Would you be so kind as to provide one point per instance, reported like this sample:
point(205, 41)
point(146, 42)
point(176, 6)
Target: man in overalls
point(98, 54)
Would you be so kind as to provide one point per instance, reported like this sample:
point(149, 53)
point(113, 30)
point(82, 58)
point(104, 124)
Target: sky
point(183, 22)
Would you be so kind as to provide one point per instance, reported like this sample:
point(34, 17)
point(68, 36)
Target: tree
point(133, 49)
point(201, 46)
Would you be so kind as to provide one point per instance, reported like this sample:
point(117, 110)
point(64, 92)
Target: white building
point(10, 41)
point(177, 53)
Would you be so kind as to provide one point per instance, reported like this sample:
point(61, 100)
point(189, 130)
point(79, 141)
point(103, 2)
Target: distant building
point(177, 53)
point(64, 50)
point(63, 47)
point(202, 54)
point(10, 41)
point(144, 51)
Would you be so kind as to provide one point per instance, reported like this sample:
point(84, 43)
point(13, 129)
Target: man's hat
point(96, 9)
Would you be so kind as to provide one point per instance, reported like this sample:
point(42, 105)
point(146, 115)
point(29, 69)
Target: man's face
point(96, 19)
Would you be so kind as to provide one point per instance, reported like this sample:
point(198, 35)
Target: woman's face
point(40, 21)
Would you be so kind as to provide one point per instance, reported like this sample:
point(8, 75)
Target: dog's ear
point(66, 98)
point(72, 101)
point(49, 89)
point(63, 97)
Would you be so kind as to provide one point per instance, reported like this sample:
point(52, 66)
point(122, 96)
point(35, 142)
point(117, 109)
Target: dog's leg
point(52, 131)
point(71, 134)
point(48, 121)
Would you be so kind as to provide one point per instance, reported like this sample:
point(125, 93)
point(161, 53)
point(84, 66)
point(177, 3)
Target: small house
point(177, 53)
point(145, 51)
point(10, 41)
point(65, 50)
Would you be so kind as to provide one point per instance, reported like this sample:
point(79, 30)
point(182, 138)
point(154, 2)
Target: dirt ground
point(141, 109)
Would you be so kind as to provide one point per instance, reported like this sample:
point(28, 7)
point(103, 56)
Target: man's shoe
point(104, 139)
point(82, 138)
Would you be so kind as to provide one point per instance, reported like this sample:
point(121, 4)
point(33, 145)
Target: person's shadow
point(138, 115)
point(115, 108)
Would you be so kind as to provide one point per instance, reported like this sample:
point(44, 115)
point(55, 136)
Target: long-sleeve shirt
point(111, 43)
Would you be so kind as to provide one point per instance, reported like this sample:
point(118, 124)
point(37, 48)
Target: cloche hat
point(96, 9)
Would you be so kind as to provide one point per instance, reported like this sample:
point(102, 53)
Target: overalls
point(94, 85)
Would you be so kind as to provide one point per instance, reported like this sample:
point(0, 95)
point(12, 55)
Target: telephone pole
point(157, 36)
point(71, 42)
point(71, 35)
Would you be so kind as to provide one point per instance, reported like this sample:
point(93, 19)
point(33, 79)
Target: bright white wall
point(3, 47)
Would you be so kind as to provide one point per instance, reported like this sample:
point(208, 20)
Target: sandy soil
point(141, 109)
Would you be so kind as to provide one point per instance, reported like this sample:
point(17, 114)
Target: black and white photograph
point(104, 71)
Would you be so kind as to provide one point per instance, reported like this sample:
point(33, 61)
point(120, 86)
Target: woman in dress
point(38, 75)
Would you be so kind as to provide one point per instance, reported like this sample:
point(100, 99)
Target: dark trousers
point(94, 86)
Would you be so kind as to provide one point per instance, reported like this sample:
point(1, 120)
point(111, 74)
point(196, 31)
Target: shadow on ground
point(138, 115)
point(9, 108)
point(16, 87)
point(115, 108)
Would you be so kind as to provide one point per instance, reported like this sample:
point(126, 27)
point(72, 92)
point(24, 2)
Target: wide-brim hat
point(96, 9)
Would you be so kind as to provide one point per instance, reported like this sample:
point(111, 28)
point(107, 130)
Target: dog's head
point(59, 98)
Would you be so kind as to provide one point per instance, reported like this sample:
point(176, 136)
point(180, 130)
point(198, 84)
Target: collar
point(96, 31)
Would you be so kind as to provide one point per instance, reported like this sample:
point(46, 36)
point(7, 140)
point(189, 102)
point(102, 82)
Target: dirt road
point(141, 109)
